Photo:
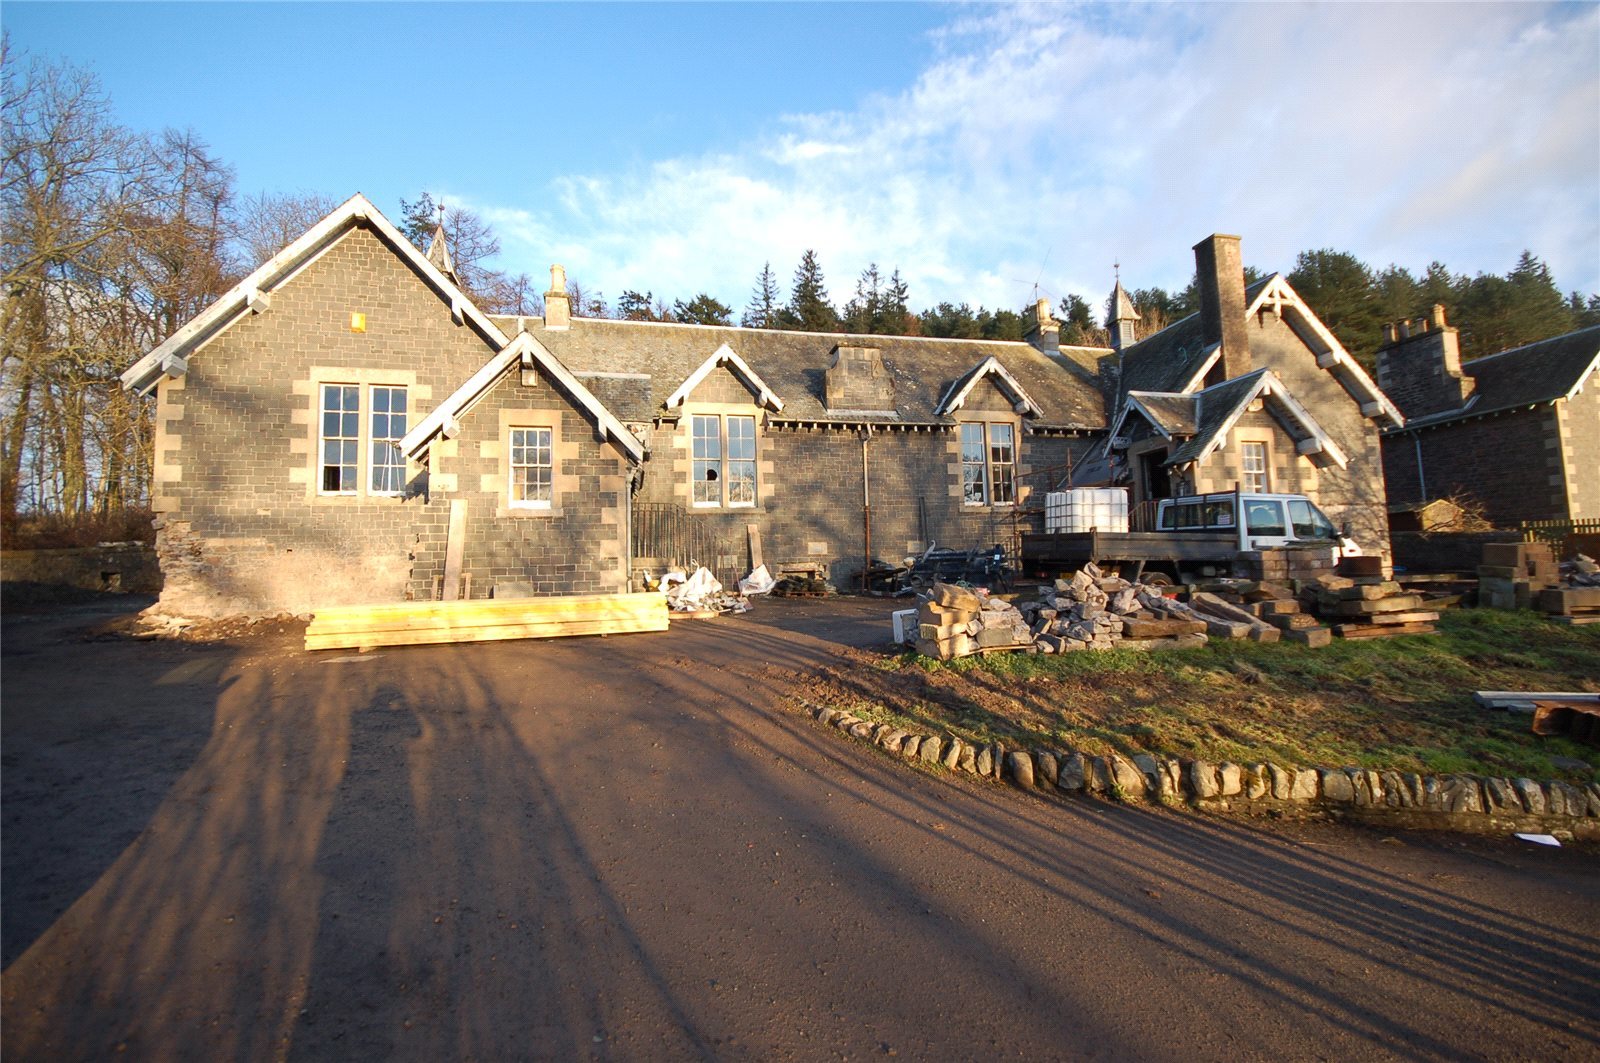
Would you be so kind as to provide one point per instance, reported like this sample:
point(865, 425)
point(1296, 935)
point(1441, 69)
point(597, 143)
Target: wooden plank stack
point(1368, 607)
point(484, 620)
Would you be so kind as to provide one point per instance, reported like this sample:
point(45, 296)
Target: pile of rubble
point(1581, 571)
point(958, 622)
point(1576, 599)
point(1092, 611)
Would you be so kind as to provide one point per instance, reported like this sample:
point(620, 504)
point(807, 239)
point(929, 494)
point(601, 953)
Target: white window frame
point(1255, 481)
point(348, 443)
point(396, 461)
point(512, 465)
point(990, 470)
point(718, 456)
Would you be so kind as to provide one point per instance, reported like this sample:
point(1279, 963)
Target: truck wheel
point(1157, 579)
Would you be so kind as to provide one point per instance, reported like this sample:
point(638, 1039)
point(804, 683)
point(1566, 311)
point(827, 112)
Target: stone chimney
point(1219, 270)
point(557, 306)
point(1419, 365)
point(1044, 331)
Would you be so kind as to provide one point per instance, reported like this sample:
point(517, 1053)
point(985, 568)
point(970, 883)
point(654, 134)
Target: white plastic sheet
point(758, 582)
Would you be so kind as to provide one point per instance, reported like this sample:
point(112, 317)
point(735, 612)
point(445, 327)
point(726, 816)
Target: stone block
point(1256, 785)
point(1071, 775)
point(1305, 786)
point(930, 750)
point(1019, 766)
point(1502, 796)
point(1150, 768)
point(1203, 782)
point(952, 753)
point(1045, 769)
point(1281, 781)
point(1230, 779)
point(1337, 787)
point(1532, 795)
point(1129, 779)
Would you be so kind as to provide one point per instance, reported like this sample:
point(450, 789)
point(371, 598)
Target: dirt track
point(632, 848)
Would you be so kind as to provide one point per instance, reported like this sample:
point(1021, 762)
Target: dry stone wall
point(1466, 803)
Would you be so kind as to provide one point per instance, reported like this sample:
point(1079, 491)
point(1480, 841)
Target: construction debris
point(1575, 599)
point(1088, 611)
point(798, 586)
point(700, 595)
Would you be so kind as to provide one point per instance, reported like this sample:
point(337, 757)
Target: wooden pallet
point(1381, 631)
point(484, 620)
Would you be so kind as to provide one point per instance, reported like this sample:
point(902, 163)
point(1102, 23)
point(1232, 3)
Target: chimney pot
point(1436, 315)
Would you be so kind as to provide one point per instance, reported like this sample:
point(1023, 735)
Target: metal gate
point(672, 535)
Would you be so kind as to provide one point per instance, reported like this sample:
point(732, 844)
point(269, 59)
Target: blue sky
point(977, 148)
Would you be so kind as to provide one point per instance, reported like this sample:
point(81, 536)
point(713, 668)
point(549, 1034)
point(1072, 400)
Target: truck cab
point(1269, 520)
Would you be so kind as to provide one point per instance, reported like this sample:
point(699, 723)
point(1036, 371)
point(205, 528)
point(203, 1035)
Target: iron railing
point(672, 536)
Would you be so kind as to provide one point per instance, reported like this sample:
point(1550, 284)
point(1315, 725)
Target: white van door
point(1266, 523)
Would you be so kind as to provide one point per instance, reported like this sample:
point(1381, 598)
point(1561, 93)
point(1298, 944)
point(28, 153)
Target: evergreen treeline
point(111, 239)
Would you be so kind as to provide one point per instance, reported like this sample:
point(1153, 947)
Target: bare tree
point(267, 223)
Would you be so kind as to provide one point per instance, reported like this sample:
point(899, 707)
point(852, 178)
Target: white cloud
point(1061, 138)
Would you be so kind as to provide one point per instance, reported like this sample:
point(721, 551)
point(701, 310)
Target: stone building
point(345, 426)
point(1517, 432)
point(1251, 390)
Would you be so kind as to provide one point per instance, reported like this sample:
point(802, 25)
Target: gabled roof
point(955, 395)
point(1529, 375)
point(526, 352)
point(1221, 406)
point(1172, 415)
point(726, 356)
point(254, 293)
point(1177, 358)
point(641, 362)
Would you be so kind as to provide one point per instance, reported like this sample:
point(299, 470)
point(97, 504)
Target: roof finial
point(1116, 271)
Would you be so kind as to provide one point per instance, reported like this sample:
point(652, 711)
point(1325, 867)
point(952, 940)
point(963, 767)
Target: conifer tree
point(764, 306)
point(809, 309)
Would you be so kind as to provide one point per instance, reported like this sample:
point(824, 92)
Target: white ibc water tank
point(1086, 509)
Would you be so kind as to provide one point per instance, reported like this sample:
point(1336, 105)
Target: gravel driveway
point(636, 848)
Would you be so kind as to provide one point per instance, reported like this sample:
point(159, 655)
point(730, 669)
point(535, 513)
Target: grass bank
point(1402, 704)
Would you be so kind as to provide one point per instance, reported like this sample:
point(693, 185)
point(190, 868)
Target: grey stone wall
point(810, 508)
point(576, 546)
point(128, 568)
point(241, 527)
point(1510, 462)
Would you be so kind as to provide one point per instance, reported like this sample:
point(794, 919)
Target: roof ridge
point(865, 336)
point(1525, 346)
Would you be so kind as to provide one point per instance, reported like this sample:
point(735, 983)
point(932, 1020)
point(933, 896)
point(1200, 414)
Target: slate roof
point(1169, 359)
point(1176, 415)
point(1217, 406)
point(793, 365)
point(1526, 376)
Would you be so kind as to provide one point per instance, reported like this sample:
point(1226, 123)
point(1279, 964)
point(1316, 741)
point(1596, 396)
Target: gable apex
point(726, 356)
point(253, 293)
